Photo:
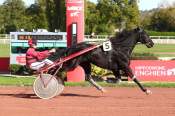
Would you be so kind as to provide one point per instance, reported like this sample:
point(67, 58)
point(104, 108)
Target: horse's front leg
point(133, 77)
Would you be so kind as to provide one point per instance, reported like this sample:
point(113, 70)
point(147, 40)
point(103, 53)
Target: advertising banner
point(19, 59)
point(4, 68)
point(75, 14)
point(75, 30)
point(154, 70)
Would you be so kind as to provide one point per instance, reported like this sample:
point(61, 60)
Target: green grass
point(28, 81)
point(162, 50)
point(16, 81)
point(4, 50)
point(157, 48)
point(125, 84)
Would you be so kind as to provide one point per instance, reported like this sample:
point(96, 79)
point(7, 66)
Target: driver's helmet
point(32, 41)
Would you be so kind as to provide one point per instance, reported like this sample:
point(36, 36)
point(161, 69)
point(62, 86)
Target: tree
point(109, 15)
point(12, 14)
point(102, 18)
point(163, 19)
point(132, 14)
point(37, 16)
point(159, 19)
point(60, 13)
point(145, 18)
point(56, 14)
point(2, 21)
point(91, 17)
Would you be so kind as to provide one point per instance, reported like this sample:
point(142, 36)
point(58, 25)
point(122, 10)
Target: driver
point(35, 59)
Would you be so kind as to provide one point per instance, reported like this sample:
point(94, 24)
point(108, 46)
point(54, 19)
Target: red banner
point(154, 70)
point(75, 14)
point(21, 60)
point(4, 68)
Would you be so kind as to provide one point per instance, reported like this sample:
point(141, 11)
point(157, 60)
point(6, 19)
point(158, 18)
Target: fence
point(156, 39)
point(5, 39)
point(107, 36)
point(4, 36)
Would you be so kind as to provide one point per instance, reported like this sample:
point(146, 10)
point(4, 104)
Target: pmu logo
point(75, 1)
point(171, 72)
point(75, 14)
point(74, 8)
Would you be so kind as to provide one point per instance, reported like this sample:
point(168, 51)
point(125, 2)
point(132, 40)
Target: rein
point(62, 60)
point(80, 52)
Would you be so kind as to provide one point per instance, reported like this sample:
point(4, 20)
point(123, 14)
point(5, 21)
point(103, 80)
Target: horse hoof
point(103, 90)
point(119, 81)
point(148, 92)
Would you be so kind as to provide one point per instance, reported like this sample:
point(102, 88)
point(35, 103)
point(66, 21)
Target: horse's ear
point(138, 29)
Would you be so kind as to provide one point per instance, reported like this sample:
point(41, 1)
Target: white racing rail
point(5, 39)
point(156, 39)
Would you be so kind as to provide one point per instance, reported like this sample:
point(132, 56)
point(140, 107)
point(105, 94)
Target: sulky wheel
point(61, 86)
point(47, 86)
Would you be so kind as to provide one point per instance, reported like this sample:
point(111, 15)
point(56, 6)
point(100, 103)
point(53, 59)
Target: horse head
point(144, 38)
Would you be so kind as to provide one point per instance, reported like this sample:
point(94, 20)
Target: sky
point(150, 4)
point(143, 4)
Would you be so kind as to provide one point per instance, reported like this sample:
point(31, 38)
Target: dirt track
point(87, 101)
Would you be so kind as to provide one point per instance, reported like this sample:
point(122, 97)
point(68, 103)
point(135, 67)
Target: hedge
point(20, 70)
point(143, 56)
point(155, 33)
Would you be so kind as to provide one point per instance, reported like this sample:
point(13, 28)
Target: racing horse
point(118, 58)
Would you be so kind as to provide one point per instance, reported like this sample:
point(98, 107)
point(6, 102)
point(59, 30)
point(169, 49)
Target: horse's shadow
point(78, 95)
point(21, 95)
point(33, 96)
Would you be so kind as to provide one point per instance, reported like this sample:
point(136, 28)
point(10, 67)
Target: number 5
point(107, 46)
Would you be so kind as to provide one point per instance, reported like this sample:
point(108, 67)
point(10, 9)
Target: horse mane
point(124, 33)
point(123, 38)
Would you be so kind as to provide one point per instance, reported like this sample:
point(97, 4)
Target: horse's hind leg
point(133, 77)
point(90, 79)
point(87, 69)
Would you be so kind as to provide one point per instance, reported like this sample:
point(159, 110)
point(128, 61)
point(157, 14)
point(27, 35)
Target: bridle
point(141, 35)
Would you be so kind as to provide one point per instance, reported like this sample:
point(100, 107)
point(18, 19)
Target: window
point(41, 37)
